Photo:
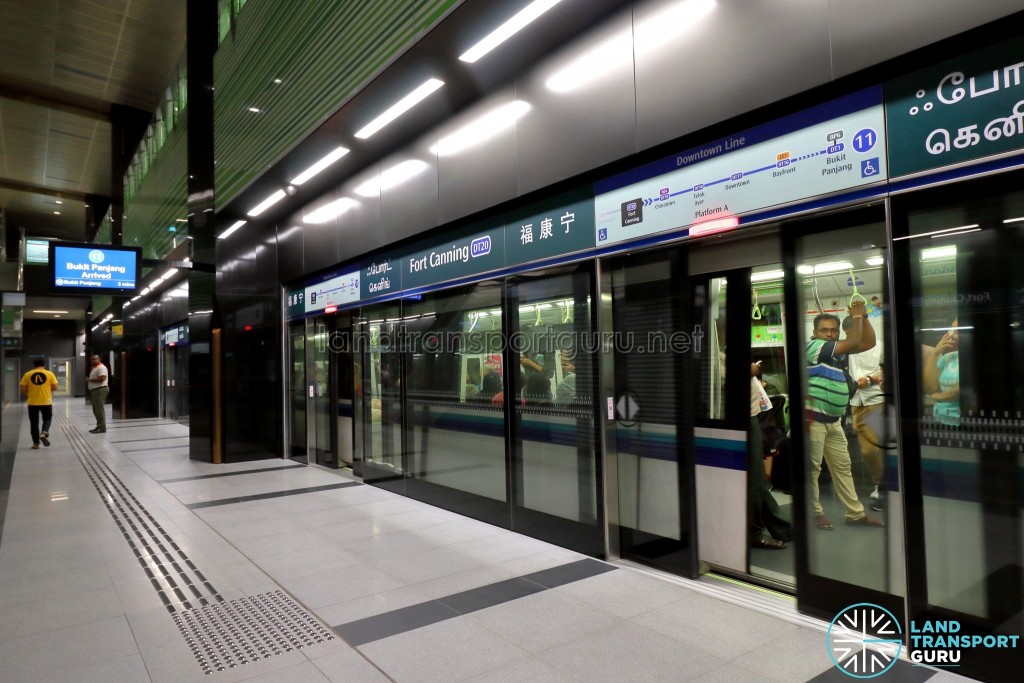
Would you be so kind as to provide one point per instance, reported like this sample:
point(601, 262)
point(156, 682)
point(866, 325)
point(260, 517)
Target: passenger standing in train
point(942, 377)
point(768, 528)
point(827, 399)
point(867, 406)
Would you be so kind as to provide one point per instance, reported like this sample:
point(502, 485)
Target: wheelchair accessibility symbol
point(869, 167)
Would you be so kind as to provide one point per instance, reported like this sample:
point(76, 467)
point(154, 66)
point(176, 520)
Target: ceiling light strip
point(517, 23)
point(400, 107)
point(319, 166)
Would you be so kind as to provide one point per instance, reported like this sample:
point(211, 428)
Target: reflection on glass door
point(297, 391)
point(320, 404)
point(654, 487)
point(962, 394)
point(551, 379)
point(456, 420)
point(850, 486)
point(379, 330)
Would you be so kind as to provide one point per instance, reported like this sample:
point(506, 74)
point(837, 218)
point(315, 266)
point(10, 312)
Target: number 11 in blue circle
point(864, 140)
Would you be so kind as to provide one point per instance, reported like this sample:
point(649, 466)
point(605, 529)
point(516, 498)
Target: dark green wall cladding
point(161, 199)
point(324, 52)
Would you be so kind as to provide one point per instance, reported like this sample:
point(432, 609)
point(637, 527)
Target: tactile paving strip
point(221, 634)
point(176, 579)
point(229, 634)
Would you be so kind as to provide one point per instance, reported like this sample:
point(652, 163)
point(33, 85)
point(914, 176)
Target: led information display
point(93, 268)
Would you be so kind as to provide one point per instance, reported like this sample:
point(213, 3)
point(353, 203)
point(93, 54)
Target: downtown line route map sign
point(824, 150)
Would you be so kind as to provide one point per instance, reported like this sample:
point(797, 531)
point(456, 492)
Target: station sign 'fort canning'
point(960, 110)
point(529, 234)
point(830, 148)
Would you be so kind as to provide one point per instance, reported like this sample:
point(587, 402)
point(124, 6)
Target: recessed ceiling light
point(392, 177)
point(499, 35)
point(277, 81)
point(59, 201)
point(230, 230)
point(56, 213)
point(56, 312)
point(334, 155)
point(266, 203)
point(254, 110)
point(403, 105)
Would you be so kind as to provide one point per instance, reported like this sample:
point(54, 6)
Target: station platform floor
point(122, 560)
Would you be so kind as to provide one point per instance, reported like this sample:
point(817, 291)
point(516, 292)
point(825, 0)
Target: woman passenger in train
point(942, 377)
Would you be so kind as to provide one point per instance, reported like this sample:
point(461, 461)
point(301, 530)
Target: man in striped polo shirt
point(828, 395)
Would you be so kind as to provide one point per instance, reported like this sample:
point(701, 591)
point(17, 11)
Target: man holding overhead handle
point(827, 398)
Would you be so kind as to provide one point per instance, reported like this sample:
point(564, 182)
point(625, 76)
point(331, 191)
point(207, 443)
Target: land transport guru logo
point(864, 640)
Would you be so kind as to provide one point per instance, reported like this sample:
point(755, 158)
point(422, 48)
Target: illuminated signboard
point(828, 149)
point(89, 269)
point(37, 252)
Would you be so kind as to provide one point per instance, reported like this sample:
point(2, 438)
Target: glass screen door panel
point(321, 404)
point(552, 376)
point(961, 394)
point(648, 453)
point(297, 390)
point(848, 498)
point(383, 454)
point(454, 411)
point(169, 358)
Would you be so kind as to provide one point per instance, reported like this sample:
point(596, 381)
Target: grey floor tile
point(544, 620)
point(392, 623)
point(372, 605)
point(83, 644)
point(729, 673)
point(626, 593)
point(306, 672)
point(348, 666)
point(628, 652)
point(720, 628)
point(53, 613)
point(129, 669)
point(533, 669)
point(327, 588)
point(490, 595)
point(448, 651)
point(567, 573)
point(797, 656)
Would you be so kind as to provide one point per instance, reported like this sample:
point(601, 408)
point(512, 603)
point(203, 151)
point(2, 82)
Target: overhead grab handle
point(755, 312)
point(853, 283)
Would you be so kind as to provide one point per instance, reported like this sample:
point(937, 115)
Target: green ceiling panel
point(161, 199)
point(322, 51)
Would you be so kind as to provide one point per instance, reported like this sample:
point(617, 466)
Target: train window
point(712, 376)
point(848, 425)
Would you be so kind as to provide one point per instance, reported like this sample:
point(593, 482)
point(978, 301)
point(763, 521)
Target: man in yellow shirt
point(38, 384)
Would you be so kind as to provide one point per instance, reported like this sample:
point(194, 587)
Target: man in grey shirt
point(98, 388)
